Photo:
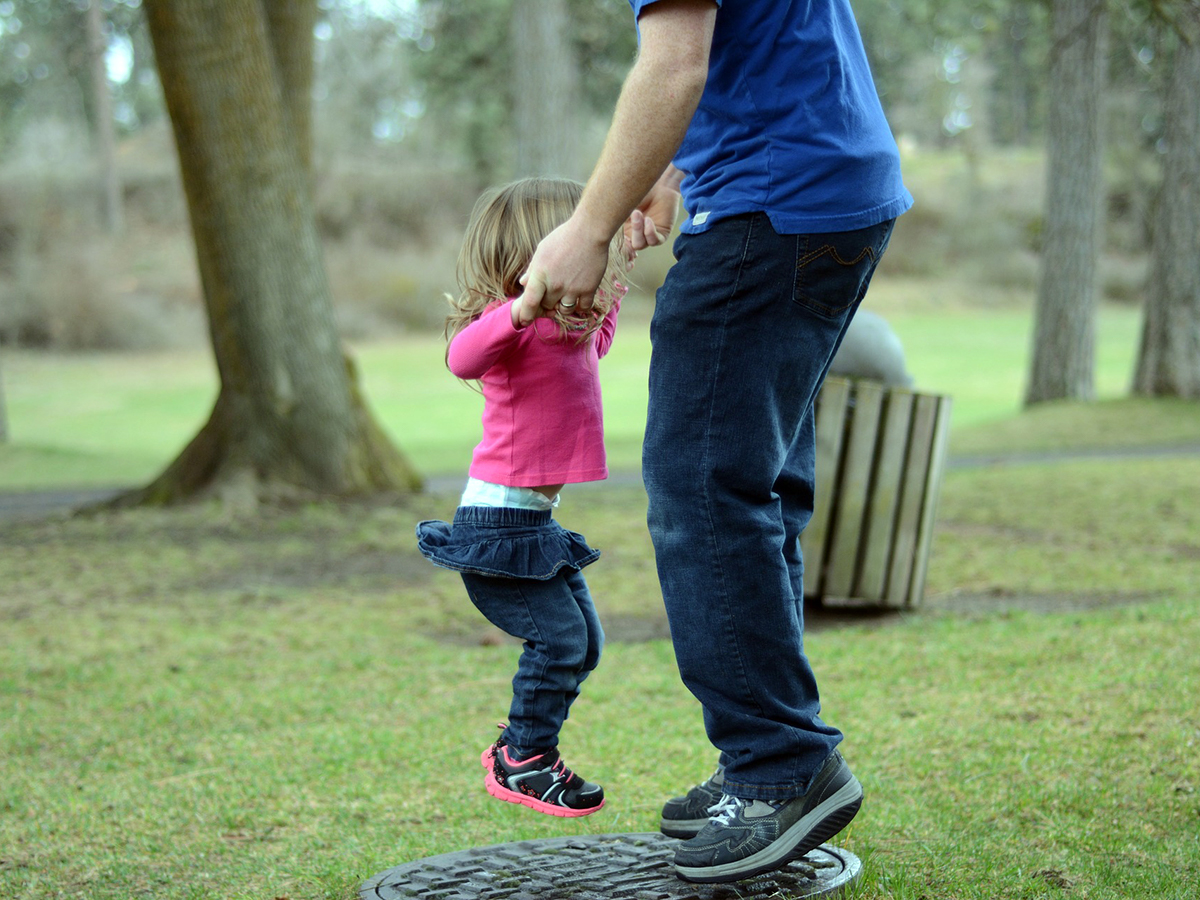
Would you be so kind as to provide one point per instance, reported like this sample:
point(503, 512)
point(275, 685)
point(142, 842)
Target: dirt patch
point(654, 627)
point(1000, 600)
point(618, 629)
point(370, 568)
point(361, 549)
point(201, 555)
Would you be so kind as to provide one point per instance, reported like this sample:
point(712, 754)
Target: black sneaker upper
point(545, 778)
point(744, 837)
point(683, 817)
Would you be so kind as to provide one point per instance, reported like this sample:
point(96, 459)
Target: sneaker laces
point(725, 810)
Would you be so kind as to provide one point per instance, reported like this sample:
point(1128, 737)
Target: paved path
point(39, 503)
point(1052, 456)
point(35, 504)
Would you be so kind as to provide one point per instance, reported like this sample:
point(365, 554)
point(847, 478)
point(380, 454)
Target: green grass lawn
point(197, 705)
point(97, 419)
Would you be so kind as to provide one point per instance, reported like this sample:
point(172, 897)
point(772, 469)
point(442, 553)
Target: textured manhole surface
point(601, 867)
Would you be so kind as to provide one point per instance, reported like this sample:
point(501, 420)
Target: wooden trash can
point(880, 457)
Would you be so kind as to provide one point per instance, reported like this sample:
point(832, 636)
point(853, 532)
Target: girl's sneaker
point(541, 782)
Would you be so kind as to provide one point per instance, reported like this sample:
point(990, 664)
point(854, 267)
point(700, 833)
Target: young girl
point(542, 429)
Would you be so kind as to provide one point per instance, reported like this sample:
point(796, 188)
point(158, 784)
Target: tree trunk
point(545, 89)
point(105, 132)
point(1169, 360)
point(1064, 332)
point(289, 416)
point(290, 28)
point(3, 412)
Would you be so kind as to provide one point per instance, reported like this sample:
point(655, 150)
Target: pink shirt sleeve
point(604, 336)
point(483, 343)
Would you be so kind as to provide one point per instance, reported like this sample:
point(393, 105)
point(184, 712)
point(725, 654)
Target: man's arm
point(658, 99)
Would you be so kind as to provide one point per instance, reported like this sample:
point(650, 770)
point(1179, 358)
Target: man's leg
point(743, 333)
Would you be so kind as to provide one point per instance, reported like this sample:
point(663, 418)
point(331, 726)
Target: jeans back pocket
point(834, 269)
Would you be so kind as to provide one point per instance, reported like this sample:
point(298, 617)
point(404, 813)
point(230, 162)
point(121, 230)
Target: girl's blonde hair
point(505, 228)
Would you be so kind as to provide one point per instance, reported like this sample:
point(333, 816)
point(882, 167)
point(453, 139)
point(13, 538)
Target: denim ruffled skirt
point(504, 543)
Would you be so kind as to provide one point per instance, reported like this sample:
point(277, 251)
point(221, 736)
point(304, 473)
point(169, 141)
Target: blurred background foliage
point(414, 114)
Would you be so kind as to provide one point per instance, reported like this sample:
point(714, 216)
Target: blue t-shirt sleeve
point(789, 124)
point(639, 5)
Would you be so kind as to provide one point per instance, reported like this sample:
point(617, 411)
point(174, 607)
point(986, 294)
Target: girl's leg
point(595, 633)
point(547, 617)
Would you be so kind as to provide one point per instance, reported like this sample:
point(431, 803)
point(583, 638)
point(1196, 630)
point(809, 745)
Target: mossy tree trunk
point(1169, 359)
point(3, 412)
point(545, 89)
point(1063, 364)
point(289, 417)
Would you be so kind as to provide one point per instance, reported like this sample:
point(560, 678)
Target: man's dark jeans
point(743, 333)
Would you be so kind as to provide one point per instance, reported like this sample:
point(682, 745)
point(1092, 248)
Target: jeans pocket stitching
point(867, 254)
point(830, 250)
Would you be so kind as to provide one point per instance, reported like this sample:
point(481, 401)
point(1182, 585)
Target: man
point(764, 114)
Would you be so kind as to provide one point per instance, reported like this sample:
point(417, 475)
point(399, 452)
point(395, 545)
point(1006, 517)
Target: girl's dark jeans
point(522, 571)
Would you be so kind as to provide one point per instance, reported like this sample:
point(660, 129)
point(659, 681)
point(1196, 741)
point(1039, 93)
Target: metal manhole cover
point(600, 867)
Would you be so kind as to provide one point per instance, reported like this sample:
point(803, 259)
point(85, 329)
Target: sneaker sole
point(500, 792)
point(809, 832)
point(682, 828)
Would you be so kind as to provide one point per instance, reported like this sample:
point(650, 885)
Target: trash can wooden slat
point(933, 485)
point(885, 500)
point(880, 457)
point(853, 489)
point(832, 404)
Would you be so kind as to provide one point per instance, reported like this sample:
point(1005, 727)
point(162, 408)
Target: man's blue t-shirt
point(789, 123)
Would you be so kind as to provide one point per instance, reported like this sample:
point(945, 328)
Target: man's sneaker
point(542, 782)
point(745, 838)
point(683, 817)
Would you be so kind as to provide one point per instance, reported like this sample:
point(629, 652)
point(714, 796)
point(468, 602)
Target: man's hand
point(565, 271)
point(658, 99)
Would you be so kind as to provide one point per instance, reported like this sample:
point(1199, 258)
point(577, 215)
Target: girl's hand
point(640, 232)
point(650, 224)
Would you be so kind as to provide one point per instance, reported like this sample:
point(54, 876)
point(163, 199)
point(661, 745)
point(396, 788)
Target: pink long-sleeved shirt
point(543, 421)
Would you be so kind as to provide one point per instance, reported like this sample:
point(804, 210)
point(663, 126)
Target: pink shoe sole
point(502, 793)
